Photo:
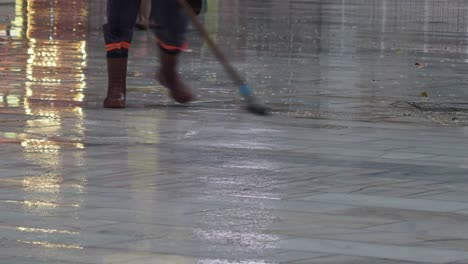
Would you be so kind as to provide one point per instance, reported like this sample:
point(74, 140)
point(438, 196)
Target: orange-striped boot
point(117, 83)
point(170, 78)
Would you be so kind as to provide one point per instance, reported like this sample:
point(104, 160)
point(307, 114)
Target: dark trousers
point(121, 19)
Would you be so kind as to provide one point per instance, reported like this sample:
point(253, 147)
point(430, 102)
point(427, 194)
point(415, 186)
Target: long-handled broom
point(252, 103)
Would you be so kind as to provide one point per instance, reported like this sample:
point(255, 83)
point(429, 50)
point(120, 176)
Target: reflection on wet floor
point(44, 72)
point(338, 175)
point(333, 59)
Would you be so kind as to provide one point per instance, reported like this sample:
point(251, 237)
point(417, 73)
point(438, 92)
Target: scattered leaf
point(424, 94)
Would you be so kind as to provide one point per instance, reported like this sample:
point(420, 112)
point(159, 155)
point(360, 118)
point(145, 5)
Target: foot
point(116, 90)
point(114, 102)
point(178, 90)
point(141, 26)
point(170, 78)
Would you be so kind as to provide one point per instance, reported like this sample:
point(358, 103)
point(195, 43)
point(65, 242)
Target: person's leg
point(170, 34)
point(143, 19)
point(118, 33)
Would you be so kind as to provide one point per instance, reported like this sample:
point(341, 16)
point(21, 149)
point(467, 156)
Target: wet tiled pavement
point(346, 170)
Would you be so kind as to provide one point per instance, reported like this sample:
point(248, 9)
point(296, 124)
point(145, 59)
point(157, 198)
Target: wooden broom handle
point(211, 44)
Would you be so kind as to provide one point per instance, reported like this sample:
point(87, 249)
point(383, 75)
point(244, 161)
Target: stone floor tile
point(384, 251)
point(389, 202)
point(355, 165)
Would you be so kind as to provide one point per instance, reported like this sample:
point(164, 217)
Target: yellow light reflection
point(44, 230)
point(54, 56)
point(50, 245)
point(55, 83)
point(13, 100)
point(18, 22)
point(38, 145)
point(48, 183)
point(40, 204)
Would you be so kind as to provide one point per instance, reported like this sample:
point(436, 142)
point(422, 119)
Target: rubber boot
point(117, 83)
point(170, 78)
